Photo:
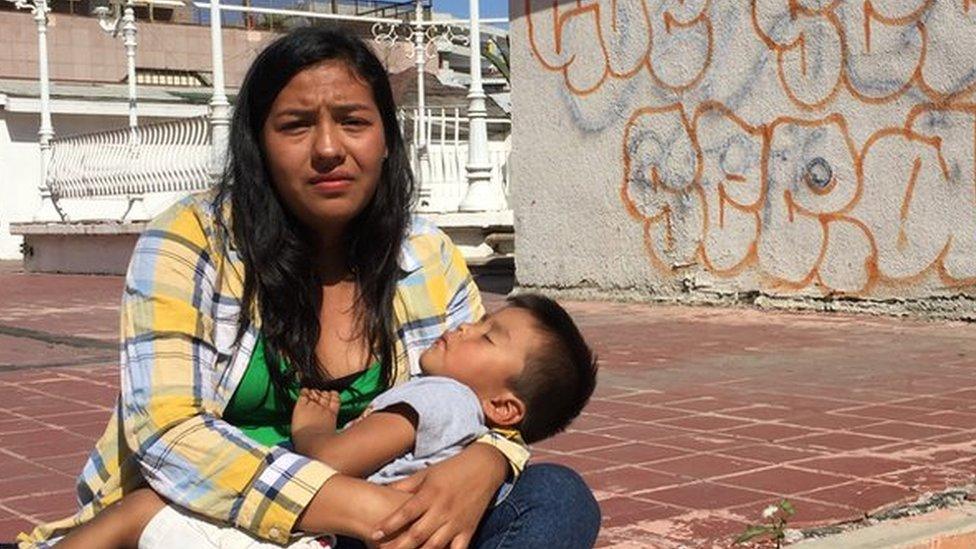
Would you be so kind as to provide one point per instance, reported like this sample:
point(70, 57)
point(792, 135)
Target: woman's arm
point(448, 501)
point(350, 506)
point(176, 299)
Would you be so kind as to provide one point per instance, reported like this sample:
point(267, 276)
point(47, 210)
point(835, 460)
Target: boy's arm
point(366, 445)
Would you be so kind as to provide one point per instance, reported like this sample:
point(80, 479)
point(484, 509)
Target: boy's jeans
point(550, 507)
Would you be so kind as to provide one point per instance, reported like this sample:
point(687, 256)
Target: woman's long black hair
point(277, 250)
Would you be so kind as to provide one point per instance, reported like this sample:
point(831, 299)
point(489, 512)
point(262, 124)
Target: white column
point(46, 131)
point(482, 194)
point(130, 43)
point(219, 106)
point(420, 55)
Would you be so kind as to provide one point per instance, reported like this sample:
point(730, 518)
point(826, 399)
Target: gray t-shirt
point(449, 417)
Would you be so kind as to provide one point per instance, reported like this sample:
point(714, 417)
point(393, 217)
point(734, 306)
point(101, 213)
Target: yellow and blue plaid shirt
point(180, 366)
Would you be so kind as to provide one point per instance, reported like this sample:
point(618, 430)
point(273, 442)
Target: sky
point(489, 8)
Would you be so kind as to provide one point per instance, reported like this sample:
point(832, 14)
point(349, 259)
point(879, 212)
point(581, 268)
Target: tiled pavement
point(703, 416)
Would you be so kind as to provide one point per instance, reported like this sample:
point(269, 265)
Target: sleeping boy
point(525, 371)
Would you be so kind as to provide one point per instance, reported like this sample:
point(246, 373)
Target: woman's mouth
point(332, 183)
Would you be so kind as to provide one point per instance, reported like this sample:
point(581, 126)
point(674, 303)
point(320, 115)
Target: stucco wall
point(809, 151)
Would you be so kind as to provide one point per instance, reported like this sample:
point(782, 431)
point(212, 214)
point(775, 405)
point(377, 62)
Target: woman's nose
point(328, 150)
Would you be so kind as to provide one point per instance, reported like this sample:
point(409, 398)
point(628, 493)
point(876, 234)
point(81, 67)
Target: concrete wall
point(806, 152)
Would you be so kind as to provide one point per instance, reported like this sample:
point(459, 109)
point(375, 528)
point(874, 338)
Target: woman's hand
point(448, 502)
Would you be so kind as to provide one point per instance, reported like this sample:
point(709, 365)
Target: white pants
point(174, 526)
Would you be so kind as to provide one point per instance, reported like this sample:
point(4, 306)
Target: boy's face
point(485, 356)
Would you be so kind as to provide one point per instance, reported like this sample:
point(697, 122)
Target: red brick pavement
point(703, 416)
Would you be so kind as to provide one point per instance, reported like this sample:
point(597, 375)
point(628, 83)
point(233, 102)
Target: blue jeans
point(550, 507)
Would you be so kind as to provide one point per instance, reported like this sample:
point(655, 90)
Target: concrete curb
point(951, 528)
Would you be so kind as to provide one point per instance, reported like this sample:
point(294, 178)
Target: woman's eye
point(294, 125)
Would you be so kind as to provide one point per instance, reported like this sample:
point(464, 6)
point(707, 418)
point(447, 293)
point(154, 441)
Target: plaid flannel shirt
point(180, 365)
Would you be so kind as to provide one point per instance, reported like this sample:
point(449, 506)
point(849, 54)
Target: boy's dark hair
point(559, 377)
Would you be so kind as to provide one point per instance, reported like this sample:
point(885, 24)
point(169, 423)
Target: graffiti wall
point(790, 147)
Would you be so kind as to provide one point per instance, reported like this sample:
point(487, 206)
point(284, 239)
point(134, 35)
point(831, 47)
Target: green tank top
point(265, 416)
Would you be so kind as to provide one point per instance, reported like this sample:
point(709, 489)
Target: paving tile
point(76, 418)
point(590, 422)
point(16, 467)
point(808, 513)
point(965, 437)
point(937, 404)
point(633, 412)
point(964, 394)
point(642, 432)
point(771, 453)
point(705, 495)
point(832, 421)
point(928, 478)
point(629, 480)
point(20, 486)
point(619, 510)
point(839, 441)
point(706, 422)
point(930, 453)
point(784, 481)
point(886, 412)
point(579, 463)
point(64, 444)
point(705, 404)
point(571, 442)
point(769, 432)
point(652, 397)
point(704, 466)
point(700, 529)
point(865, 496)
point(636, 453)
point(10, 527)
point(63, 502)
point(45, 406)
point(791, 399)
point(19, 426)
point(903, 431)
point(68, 464)
point(948, 419)
point(855, 466)
point(703, 442)
point(762, 412)
point(83, 392)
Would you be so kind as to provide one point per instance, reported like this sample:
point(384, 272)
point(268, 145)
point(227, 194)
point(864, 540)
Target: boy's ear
point(504, 410)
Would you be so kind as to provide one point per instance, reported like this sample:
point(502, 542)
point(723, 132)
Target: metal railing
point(166, 157)
point(439, 164)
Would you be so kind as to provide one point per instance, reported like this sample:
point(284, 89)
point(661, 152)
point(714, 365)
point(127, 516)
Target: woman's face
point(324, 144)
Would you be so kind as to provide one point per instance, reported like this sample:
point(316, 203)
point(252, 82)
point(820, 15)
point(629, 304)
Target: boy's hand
point(314, 416)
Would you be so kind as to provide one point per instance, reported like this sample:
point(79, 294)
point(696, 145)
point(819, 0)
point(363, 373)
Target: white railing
point(175, 156)
point(166, 157)
point(440, 165)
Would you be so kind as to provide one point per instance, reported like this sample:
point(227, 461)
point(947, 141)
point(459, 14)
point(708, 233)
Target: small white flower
point(770, 511)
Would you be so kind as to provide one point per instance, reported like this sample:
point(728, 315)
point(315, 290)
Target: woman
point(304, 268)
